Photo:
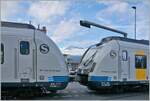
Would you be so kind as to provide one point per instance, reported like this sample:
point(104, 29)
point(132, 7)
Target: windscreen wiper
point(91, 58)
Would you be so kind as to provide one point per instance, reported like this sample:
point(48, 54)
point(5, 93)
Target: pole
point(135, 22)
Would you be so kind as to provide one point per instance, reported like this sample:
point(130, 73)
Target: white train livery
point(115, 62)
point(30, 59)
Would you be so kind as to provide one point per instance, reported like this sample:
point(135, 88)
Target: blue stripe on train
point(58, 79)
point(99, 78)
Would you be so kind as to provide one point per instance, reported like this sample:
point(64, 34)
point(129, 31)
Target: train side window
point(124, 55)
point(2, 53)
point(24, 47)
point(140, 61)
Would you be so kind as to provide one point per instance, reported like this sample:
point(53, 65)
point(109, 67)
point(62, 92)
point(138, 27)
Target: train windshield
point(89, 54)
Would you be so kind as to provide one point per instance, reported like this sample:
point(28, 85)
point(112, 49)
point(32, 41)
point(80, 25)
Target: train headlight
point(86, 71)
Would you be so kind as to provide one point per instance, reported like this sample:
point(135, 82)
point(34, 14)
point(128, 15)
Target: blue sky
point(62, 18)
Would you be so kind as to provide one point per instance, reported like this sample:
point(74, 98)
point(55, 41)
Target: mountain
point(73, 47)
point(73, 58)
point(74, 50)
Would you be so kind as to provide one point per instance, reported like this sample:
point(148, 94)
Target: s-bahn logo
point(113, 53)
point(44, 48)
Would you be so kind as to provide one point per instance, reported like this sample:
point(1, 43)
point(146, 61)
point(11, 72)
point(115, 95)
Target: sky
point(61, 18)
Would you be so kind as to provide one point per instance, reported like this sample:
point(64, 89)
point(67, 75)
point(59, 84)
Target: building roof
point(16, 25)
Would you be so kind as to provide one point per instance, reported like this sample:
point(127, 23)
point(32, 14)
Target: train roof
point(107, 39)
point(16, 25)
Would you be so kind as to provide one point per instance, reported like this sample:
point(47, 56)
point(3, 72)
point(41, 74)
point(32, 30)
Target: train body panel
point(116, 61)
point(107, 65)
point(30, 58)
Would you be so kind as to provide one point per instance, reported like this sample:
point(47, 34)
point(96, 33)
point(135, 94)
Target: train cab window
point(24, 47)
point(140, 61)
point(124, 55)
point(2, 53)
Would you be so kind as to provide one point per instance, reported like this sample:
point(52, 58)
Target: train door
point(124, 65)
point(140, 65)
point(8, 58)
point(26, 60)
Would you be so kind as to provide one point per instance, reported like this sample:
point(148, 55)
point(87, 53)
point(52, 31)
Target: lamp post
point(88, 24)
point(135, 21)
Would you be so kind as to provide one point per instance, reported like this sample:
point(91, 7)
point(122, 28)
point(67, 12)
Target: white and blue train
point(115, 62)
point(30, 59)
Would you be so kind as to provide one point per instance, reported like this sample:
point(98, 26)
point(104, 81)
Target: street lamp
point(135, 21)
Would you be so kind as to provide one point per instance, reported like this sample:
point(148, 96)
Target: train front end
point(87, 65)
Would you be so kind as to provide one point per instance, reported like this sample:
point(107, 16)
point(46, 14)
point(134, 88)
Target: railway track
point(24, 93)
point(76, 91)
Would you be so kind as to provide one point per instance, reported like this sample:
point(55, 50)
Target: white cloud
point(120, 15)
point(65, 29)
point(9, 8)
point(116, 10)
point(143, 30)
point(44, 10)
point(78, 47)
point(114, 5)
point(81, 43)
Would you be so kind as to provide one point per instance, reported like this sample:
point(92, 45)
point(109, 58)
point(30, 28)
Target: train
point(30, 59)
point(115, 62)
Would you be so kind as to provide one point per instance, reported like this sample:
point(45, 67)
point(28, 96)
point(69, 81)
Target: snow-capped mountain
point(73, 47)
point(73, 50)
